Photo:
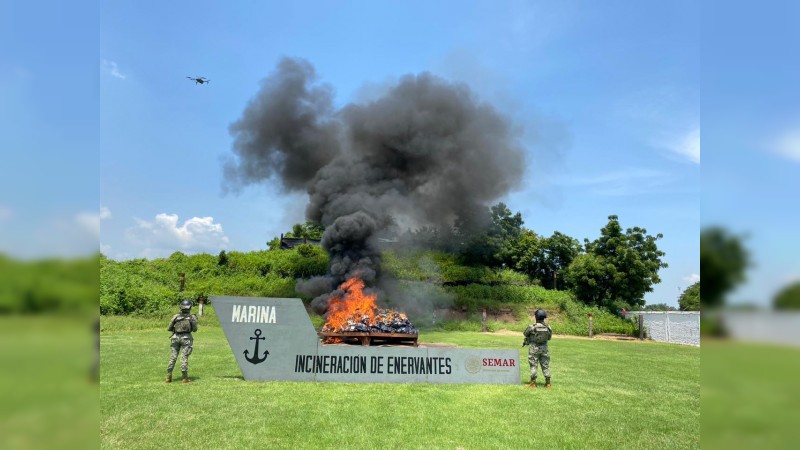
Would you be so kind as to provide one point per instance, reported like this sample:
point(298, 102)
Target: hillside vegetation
point(424, 282)
point(50, 285)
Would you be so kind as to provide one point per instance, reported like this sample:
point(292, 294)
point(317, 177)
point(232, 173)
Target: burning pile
point(352, 310)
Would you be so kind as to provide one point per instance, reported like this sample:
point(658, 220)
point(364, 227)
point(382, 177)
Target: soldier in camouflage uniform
point(537, 336)
point(182, 326)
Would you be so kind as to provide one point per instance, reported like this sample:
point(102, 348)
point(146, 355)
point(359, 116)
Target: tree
point(788, 297)
point(625, 266)
point(723, 260)
point(525, 253)
point(222, 258)
point(488, 236)
point(308, 230)
point(274, 244)
point(557, 253)
point(690, 298)
point(543, 258)
point(504, 231)
point(590, 277)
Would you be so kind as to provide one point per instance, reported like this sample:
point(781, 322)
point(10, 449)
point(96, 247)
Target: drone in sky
point(199, 80)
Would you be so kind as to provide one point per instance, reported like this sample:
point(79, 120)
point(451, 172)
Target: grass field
point(605, 394)
point(750, 395)
point(46, 397)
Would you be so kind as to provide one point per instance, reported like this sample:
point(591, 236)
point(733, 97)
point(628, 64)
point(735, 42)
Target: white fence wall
point(764, 326)
point(677, 327)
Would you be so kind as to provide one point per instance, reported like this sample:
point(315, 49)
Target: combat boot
point(185, 377)
point(547, 382)
point(169, 377)
point(532, 383)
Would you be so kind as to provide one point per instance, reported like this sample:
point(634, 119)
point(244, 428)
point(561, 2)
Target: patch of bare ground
point(603, 337)
point(506, 333)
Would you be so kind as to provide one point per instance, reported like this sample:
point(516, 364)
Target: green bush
point(152, 287)
point(485, 296)
point(50, 285)
point(441, 267)
point(459, 325)
point(574, 320)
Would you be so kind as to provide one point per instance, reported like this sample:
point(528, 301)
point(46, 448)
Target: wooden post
point(201, 301)
point(641, 327)
point(183, 280)
point(555, 281)
point(483, 320)
point(591, 327)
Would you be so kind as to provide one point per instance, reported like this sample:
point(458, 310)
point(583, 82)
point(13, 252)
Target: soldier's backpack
point(541, 334)
point(182, 324)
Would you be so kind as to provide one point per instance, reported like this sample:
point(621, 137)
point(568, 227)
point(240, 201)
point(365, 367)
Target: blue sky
point(608, 96)
point(751, 138)
point(49, 121)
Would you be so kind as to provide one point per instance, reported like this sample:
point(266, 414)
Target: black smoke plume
point(426, 153)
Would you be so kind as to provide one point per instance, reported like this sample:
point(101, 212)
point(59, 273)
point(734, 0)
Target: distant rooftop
point(290, 243)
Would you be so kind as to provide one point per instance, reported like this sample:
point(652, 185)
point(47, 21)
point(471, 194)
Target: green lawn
point(750, 395)
point(605, 394)
point(46, 397)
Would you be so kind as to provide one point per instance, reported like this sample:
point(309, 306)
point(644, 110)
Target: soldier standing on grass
point(182, 326)
point(537, 336)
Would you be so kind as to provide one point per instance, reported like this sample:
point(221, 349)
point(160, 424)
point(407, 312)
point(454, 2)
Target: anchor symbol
point(255, 359)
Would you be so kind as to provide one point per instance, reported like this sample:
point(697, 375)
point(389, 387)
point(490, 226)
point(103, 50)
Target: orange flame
point(353, 305)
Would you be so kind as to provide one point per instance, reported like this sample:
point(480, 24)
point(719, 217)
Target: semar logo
point(498, 362)
point(256, 359)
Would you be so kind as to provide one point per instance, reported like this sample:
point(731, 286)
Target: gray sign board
point(272, 339)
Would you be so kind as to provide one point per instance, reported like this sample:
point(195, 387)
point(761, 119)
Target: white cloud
point(692, 279)
point(105, 213)
point(163, 236)
point(112, 69)
point(624, 182)
point(66, 236)
point(5, 213)
point(788, 144)
point(89, 222)
point(688, 146)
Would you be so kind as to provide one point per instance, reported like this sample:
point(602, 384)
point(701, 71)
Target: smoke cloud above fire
point(425, 153)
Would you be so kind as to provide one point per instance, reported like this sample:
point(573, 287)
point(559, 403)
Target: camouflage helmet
point(540, 314)
point(186, 305)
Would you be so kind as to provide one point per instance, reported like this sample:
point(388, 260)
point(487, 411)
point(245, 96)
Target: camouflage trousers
point(539, 354)
point(177, 342)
